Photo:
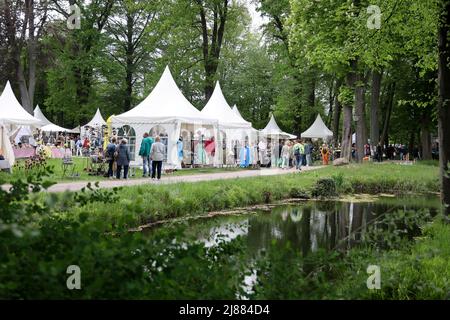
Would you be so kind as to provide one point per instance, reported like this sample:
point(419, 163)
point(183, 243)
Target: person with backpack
point(123, 159)
point(299, 152)
point(144, 152)
point(109, 154)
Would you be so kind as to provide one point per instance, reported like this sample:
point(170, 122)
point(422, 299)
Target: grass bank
point(79, 173)
point(150, 203)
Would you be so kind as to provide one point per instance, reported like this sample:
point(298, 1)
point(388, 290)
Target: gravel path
point(167, 179)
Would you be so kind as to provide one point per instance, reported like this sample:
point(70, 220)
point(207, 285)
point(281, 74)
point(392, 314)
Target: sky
point(257, 20)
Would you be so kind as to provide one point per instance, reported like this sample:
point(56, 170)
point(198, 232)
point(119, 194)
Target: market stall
point(234, 131)
point(167, 113)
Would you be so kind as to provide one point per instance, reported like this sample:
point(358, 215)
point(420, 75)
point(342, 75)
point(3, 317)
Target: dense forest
point(368, 67)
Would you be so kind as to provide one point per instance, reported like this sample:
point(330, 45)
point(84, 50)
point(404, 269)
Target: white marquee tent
point(48, 126)
point(11, 112)
point(6, 147)
point(273, 130)
point(165, 112)
point(97, 120)
point(12, 116)
point(233, 129)
point(318, 130)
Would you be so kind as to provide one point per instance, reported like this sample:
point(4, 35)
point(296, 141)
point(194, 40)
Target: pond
point(313, 226)
point(307, 226)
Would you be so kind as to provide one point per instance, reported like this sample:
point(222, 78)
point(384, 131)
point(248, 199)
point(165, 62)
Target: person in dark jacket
point(123, 159)
point(110, 150)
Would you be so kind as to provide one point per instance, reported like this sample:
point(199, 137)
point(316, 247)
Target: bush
point(324, 188)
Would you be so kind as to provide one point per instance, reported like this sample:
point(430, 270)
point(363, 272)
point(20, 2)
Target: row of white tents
point(167, 111)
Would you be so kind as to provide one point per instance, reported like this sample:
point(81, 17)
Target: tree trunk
point(412, 142)
point(211, 51)
point(374, 106)
point(359, 117)
point(387, 118)
point(330, 103)
point(346, 147)
point(129, 63)
point(425, 137)
point(336, 114)
point(444, 106)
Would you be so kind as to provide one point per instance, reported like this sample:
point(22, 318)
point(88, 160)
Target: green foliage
point(324, 188)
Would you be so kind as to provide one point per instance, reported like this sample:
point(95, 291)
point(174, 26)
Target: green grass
point(418, 271)
point(82, 175)
point(150, 203)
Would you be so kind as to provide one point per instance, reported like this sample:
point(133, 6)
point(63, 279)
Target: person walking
point(308, 153)
point(157, 156)
point(123, 159)
point(110, 152)
point(79, 147)
point(296, 151)
point(144, 152)
point(299, 153)
point(285, 155)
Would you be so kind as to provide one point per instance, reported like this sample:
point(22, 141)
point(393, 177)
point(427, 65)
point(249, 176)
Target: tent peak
point(218, 108)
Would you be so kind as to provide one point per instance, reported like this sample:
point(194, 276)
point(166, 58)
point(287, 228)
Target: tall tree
point(444, 103)
point(24, 23)
point(133, 27)
point(213, 19)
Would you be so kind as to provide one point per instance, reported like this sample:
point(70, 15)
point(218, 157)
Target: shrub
point(324, 188)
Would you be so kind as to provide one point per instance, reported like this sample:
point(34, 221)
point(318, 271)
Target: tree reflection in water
point(328, 225)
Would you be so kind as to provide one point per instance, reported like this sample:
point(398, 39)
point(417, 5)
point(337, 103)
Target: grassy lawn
point(80, 174)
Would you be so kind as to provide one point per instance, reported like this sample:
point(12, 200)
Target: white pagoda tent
point(12, 117)
point(233, 129)
point(165, 112)
point(254, 136)
point(6, 148)
point(273, 130)
point(47, 125)
point(318, 130)
point(11, 111)
point(97, 121)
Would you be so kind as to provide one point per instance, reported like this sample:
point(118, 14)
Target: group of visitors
point(152, 152)
point(296, 154)
point(118, 157)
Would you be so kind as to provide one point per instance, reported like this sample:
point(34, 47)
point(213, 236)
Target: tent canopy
point(165, 104)
point(218, 108)
point(54, 128)
point(272, 129)
point(48, 126)
point(40, 115)
point(236, 111)
point(97, 120)
point(318, 130)
point(11, 112)
point(6, 148)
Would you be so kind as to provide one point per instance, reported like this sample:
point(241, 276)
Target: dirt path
point(78, 185)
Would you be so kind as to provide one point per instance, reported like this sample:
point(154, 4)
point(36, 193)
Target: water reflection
point(307, 227)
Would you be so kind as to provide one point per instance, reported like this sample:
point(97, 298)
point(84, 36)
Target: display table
point(21, 153)
point(56, 153)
